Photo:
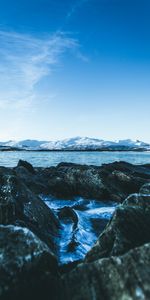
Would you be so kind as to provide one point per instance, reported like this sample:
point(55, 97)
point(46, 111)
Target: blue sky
point(74, 67)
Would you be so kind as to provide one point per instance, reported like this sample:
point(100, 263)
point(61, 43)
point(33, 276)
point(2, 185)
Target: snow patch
point(76, 143)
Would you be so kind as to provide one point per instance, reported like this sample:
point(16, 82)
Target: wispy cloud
point(75, 7)
point(25, 61)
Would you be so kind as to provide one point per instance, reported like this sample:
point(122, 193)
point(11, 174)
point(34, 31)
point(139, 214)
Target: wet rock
point(28, 269)
point(32, 180)
point(111, 270)
point(99, 224)
point(128, 228)
point(113, 181)
point(69, 213)
point(115, 268)
point(26, 165)
point(67, 267)
point(18, 204)
point(72, 244)
point(69, 180)
point(145, 189)
point(123, 277)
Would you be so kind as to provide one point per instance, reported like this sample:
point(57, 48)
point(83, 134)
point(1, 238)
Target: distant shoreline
point(73, 150)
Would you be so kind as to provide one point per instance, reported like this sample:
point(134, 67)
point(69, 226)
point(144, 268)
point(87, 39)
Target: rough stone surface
point(116, 268)
point(27, 266)
point(128, 228)
point(33, 180)
point(113, 181)
point(20, 206)
point(26, 165)
point(145, 189)
point(124, 277)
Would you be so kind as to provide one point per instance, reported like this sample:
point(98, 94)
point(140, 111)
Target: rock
point(108, 182)
point(128, 228)
point(113, 181)
point(32, 180)
point(70, 180)
point(18, 205)
point(67, 267)
point(99, 225)
point(26, 165)
point(115, 268)
point(145, 189)
point(111, 270)
point(124, 278)
point(28, 269)
point(69, 213)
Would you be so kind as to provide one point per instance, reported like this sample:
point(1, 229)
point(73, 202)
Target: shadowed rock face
point(20, 206)
point(27, 266)
point(128, 228)
point(113, 181)
point(69, 213)
point(105, 274)
point(26, 165)
point(116, 268)
point(114, 278)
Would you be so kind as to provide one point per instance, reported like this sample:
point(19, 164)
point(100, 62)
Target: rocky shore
point(116, 268)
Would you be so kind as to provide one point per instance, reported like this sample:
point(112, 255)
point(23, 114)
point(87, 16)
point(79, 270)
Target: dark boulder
point(18, 205)
point(26, 165)
point(69, 214)
point(115, 268)
point(113, 181)
point(108, 182)
point(28, 269)
point(128, 228)
point(32, 180)
point(116, 278)
point(145, 189)
point(70, 180)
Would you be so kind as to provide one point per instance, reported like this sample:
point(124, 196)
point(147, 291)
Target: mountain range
point(76, 144)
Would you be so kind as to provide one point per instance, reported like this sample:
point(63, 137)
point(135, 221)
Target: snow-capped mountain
point(77, 143)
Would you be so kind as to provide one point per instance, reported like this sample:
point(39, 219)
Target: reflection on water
point(81, 223)
point(46, 159)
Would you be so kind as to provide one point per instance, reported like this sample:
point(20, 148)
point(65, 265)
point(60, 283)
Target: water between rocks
point(81, 223)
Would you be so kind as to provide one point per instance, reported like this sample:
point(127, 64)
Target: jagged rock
point(28, 269)
point(26, 165)
point(32, 180)
point(145, 189)
point(18, 205)
point(128, 228)
point(117, 278)
point(104, 274)
point(112, 270)
point(113, 181)
point(69, 213)
point(69, 180)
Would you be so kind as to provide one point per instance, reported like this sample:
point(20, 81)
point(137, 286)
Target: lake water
point(47, 159)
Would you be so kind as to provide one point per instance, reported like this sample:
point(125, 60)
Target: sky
point(74, 68)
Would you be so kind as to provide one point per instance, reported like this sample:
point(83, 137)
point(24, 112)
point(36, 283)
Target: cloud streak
point(25, 61)
point(75, 8)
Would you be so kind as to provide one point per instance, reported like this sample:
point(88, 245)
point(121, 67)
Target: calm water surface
point(46, 159)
